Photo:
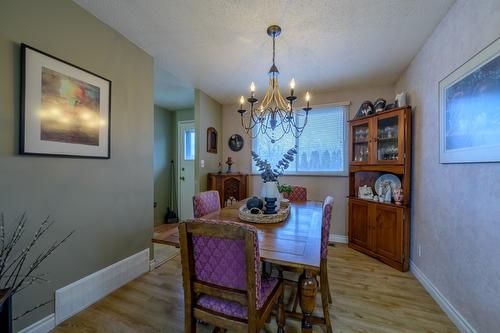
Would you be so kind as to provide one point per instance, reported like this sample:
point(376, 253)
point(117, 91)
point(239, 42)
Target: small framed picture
point(212, 140)
point(65, 110)
point(469, 110)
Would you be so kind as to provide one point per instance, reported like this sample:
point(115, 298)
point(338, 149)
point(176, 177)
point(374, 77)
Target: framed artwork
point(235, 142)
point(65, 110)
point(212, 140)
point(469, 110)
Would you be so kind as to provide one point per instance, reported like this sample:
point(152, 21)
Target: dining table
point(293, 243)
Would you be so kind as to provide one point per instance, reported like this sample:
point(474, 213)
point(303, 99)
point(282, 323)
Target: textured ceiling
point(220, 46)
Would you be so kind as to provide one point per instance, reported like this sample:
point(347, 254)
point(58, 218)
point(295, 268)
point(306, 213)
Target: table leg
point(309, 288)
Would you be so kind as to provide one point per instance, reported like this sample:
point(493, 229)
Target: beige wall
point(207, 113)
point(109, 203)
point(317, 186)
point(455, 206)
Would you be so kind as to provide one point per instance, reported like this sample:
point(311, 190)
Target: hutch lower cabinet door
point(359, 228)
point(379, 230)
point(388, 232)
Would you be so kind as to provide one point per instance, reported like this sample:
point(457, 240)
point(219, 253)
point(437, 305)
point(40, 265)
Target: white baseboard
point(338, 238)
point(152, 264)
point(44, 325)
point(455, 316)
point(78, 295)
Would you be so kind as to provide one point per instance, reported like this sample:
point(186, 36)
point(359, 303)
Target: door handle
point(182, 178)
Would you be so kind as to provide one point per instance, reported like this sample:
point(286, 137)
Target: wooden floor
point(367, 297)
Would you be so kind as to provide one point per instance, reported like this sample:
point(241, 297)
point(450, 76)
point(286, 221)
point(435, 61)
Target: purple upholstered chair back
point(299, 193)
point(221, 261)
point(325, 225)
point(205, 203)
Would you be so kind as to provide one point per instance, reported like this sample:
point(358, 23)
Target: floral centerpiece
point(270, 175)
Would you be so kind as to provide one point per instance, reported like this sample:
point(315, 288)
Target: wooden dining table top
point(295, 242)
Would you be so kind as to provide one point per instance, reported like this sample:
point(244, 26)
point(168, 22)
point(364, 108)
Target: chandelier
point(275, 115)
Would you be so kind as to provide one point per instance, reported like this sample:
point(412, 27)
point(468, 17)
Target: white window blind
point(321, 147)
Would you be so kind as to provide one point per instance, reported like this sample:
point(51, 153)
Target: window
point(189, 145)
point(321, 147)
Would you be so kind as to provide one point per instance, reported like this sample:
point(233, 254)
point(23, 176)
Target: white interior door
point(185, 182)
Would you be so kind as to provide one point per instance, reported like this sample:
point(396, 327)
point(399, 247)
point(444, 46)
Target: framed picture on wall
point(469, 110)
point(212, 140)
point(65, 110)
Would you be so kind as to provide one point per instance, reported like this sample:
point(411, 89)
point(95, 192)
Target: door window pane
point(189, 145)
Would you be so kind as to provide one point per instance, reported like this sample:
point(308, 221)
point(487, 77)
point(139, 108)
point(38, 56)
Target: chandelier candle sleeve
point(274, 116)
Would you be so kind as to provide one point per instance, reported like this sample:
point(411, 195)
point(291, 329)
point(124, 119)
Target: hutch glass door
point(360, 148)
point(389, 139)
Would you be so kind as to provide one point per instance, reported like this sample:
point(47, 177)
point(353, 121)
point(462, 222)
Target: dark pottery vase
point(5, 311)
point(254, 202)
point(270, 205)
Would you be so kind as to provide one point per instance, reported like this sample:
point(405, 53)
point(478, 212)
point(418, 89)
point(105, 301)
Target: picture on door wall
point(470, 110)
point(66, 109)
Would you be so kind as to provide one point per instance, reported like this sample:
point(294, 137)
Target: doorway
point(186, 157)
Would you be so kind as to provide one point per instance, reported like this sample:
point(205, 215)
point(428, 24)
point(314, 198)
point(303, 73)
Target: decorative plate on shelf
point(387, 177)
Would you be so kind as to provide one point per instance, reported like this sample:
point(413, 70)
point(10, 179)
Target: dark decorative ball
point(254, 202)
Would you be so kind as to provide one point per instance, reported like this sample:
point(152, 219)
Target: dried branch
point(19, 261)
point(13, 274)
point(41, 258)
point(13, 241)
point(33, 309)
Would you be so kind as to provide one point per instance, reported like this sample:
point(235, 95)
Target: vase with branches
point(19, 266)
point(270, 175)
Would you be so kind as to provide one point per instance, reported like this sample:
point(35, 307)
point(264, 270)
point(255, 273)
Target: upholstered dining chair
point(326, 297)
point(222, 280)
point(205, 203)
point(298, 194)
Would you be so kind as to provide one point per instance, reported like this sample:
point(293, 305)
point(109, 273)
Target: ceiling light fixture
point(275, 116)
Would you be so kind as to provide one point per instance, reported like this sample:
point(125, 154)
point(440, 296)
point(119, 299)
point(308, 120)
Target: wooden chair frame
point(193, 288)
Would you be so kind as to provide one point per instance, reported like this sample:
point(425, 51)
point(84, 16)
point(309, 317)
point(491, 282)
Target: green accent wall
point(165, 150)
point(163, 155)
point(109, 203)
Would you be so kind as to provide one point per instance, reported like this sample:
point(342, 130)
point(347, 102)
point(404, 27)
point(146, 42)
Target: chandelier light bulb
point(292, 84)
point(308, 97)
point(252, 87)
point(242, 100)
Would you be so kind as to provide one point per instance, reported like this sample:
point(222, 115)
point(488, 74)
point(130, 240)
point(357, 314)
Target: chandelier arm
point(268, 96)
point(279, 100)
point(252, 122)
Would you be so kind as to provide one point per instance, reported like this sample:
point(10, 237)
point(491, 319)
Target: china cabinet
point(381, 144)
